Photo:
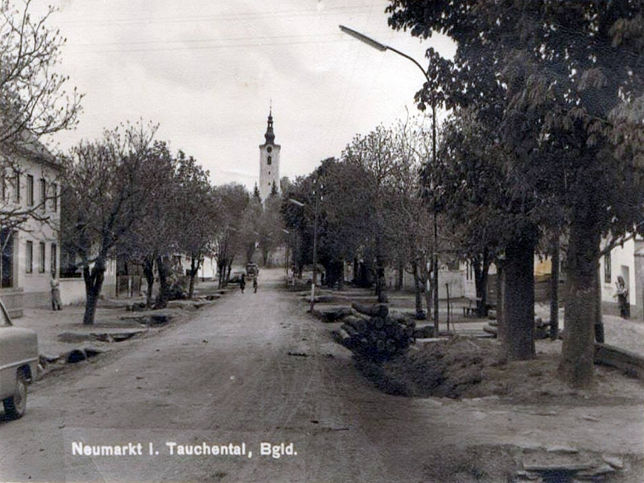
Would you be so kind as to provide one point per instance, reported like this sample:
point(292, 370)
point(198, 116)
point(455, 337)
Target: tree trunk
point(356, 271)
point(163, 296)
point(481, 274)
point(148, 272)
point(599, 322)
point(435, 290)
point(381, 283)
point(518, 300)
point(417, 292)
point(576, 365)
point(221, 268)
point(502, 333)
point(93, 284)
point(334, 273)
point(554, 289)
point(194, 268)
point(399, 277)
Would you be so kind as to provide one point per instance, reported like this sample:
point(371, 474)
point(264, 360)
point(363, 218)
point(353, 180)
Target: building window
point(17, 188)
point(607, 268)
point(54, 255)
point(30, 190)
point(6, 262)
point(41, 265)
point(54, 194)
point(29, 257)
point(269, 160)
point(43, 193)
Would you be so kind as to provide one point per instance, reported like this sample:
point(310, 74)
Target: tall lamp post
point(382, 48)
point(315, 244)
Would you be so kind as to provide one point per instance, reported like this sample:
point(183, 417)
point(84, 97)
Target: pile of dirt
point(464, 367)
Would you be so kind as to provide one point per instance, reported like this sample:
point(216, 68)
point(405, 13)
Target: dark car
point(252, 270)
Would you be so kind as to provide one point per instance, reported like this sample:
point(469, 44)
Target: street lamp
point(315, 244)
point(382, 48)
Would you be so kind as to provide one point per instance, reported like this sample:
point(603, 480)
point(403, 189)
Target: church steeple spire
point(270, 135)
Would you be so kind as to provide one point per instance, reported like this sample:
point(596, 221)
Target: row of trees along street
point(542, 152)
point(125, 195)
point(554, 93)
point(371, 211)
point(128, 196)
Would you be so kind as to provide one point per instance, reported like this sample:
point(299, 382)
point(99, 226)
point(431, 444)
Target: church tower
point(269, 161)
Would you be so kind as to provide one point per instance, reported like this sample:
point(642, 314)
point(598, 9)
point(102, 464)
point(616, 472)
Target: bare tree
point(33, 102)
point(108, 183)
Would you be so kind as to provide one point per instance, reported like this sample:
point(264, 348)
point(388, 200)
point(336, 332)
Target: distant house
point(29, 184)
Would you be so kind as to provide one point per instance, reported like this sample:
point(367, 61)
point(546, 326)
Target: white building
point(269, 162)
point(31, 250)
point(626, 261)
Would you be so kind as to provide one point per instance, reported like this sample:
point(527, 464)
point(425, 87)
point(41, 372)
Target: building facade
point(30, 248)
point(627, 261)
point(269, 162)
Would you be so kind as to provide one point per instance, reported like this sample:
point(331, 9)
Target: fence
point(128, 286)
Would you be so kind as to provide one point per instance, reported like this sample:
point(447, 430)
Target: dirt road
point(254, 368)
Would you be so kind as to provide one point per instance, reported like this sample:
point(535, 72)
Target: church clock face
point(269, 149)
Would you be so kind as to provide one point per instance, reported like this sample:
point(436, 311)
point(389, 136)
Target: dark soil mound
point(452, 368)
point(465, 367)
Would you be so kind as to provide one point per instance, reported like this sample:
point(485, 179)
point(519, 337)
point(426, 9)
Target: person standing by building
point(55, 293)
point(255, 284)
point(621, 292)
point(242, 283)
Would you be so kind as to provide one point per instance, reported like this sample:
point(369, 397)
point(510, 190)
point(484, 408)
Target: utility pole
point(382, 48)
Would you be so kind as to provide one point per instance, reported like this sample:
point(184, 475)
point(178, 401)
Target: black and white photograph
point(322, 241)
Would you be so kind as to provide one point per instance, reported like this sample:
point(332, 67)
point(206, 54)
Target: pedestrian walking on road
point(255, 284)
point(242, 283)
point(55, 293)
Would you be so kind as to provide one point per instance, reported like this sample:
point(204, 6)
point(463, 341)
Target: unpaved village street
point(256, 368)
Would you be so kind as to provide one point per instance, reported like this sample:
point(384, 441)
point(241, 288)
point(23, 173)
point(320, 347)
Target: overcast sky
point(206, 71)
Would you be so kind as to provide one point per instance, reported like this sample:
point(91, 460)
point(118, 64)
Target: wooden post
point(448, 305)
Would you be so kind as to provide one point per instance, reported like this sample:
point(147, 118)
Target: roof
point(31, 148)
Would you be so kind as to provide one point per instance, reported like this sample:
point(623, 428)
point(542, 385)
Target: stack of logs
point(375, 333)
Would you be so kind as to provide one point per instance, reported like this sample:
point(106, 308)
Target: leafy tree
point(251, 218)
point(231, 199)
point(152, 239)
point(565, 81)
point(108, 183)
point(375, 154)
point(196, 208)
point(269, 228)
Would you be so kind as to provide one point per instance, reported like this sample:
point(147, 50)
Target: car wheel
point(16, 405)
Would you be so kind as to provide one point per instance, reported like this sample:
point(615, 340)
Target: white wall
point(35, 281)
point(208, 268)
point(72, 291)
point(621, 259)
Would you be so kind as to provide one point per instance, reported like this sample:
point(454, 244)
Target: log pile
point(375, 333)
